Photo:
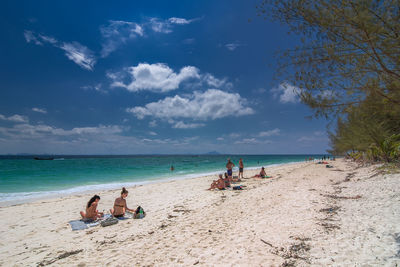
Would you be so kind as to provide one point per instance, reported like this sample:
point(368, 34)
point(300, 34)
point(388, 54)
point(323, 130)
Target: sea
point(23, 179)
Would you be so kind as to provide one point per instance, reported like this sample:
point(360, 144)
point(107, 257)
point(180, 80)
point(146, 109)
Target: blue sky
point(134, 77)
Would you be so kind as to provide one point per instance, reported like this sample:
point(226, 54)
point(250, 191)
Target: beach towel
point(81, 225)
point(78, 225)
point(85, 223)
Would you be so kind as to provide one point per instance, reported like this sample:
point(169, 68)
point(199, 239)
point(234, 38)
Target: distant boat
point(37, 158)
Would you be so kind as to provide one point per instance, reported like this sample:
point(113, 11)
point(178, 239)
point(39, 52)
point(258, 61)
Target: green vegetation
point(347, 68)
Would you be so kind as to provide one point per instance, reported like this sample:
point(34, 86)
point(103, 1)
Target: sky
point(148, 77)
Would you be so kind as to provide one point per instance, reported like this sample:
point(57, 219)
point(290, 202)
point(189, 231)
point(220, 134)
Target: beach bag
point(109, 221)
point(139, 213)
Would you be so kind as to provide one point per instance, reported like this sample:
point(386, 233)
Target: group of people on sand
point(225, 181)
point(118, 210)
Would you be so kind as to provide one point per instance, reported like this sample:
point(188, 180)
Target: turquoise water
point(25, 177)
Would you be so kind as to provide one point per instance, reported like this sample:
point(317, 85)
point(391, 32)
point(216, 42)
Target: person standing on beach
point(229, 167)
point(241, 166)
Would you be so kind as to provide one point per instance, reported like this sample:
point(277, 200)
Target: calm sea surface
point(24, 178)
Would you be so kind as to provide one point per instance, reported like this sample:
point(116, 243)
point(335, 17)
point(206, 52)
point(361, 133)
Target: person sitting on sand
point(226, 180)
point(262, 174)
point(91, 209)
point(220, 184)
point(120, 205)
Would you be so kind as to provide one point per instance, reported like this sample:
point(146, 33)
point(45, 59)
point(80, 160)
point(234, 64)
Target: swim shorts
point(240, 169)
point(229, 172)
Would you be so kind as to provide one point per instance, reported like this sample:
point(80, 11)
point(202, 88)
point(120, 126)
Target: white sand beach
point(306, 215)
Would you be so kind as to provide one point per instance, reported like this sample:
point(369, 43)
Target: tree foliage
point(348, 65)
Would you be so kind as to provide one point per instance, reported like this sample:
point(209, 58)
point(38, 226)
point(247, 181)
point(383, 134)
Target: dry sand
point(306, 215)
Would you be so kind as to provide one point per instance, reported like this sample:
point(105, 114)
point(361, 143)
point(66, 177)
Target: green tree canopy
point(348, 65)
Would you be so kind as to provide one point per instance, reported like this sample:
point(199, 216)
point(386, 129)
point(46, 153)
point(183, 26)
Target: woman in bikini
point(220, 184)
point(262, 174)
point(91, 209)
point(120, 205)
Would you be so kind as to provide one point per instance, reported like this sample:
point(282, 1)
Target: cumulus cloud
point(156, 77)
point(159, 77)
point(286, 93)
point(74, 51)
point(117, 33)
point(14, 118)
point(273, 132)
point(211, 104)
point(40, 110)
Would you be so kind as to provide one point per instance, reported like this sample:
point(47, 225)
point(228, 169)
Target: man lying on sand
point(120, 205)
point(91, 209)
point(220, 183)
point(262, 174)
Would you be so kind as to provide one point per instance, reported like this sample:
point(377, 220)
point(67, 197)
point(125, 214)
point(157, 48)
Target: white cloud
point(153, 123)
point(273, 132)
point(30, 37)
point(182, 125)
point(210, 80)
point(74, 51)
point(159, 77)
point(41, 130)
point(14, 118)
point(286, 93)
point(232, 46)
point(158, 25)
point(79, 54)
point(211, 104)
point(156, 77)
point(165, 26)
point(117, 33)
point(220, 139)
point(180, 21)
point(234, 135)
point(317, 136)
point(40, 110)
point(152, 133)
point(48, 39)
point(97, 87)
